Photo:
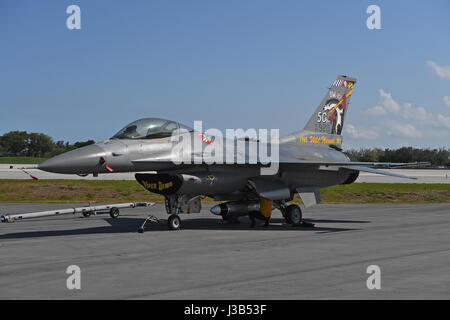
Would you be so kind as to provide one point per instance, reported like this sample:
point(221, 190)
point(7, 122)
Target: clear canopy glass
point(149, 128)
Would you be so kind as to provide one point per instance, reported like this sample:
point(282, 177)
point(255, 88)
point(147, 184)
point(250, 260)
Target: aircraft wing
point(290, 159)
point(359, 166)
point(296, 162)
point(347, 163)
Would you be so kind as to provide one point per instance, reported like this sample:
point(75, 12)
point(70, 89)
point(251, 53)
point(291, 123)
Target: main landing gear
point(293, 215)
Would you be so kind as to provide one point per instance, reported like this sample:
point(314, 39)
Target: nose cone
point(78, 161)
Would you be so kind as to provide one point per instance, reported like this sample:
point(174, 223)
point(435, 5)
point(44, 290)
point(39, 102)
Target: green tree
point(14, 142)
point(39, 144)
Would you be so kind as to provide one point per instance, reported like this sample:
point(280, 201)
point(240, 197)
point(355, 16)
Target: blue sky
point(232, 64)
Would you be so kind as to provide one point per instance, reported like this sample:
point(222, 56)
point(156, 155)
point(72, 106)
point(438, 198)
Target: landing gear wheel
point(174, 222)
point(114, 213)
point(86, 214)
point(294, 215)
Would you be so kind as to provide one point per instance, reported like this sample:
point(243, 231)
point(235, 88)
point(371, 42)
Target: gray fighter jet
point(307, 160)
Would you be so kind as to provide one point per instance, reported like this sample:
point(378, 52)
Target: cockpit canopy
point(149, 128)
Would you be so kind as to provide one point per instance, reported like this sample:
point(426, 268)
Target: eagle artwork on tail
point(336, 108)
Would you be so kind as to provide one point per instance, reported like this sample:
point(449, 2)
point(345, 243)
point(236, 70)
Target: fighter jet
point(308, 160)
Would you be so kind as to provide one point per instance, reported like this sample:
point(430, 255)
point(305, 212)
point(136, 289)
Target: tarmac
point(211, 260)
point(422, 175)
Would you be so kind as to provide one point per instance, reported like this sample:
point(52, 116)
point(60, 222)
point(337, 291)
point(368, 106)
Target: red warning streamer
point(33, 177)
point(109, 168)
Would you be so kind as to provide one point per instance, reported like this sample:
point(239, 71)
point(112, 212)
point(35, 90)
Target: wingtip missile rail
point(112, 209)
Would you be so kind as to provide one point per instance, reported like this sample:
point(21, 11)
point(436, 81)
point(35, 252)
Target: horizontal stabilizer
point(376, 171)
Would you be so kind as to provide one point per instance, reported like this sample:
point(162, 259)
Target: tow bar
point(112, 209)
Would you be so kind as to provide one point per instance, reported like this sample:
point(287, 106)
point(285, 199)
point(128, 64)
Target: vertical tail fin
point(326, 124)
point(329, 115)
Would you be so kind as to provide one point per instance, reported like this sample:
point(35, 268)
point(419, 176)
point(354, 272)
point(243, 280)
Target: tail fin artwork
point(329, 115)
point(326, 124)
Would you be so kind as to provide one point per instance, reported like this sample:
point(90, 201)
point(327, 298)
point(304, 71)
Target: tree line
point(437, 157)
point(22, 143)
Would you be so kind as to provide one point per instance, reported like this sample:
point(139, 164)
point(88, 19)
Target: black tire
point(174, 222)
point(294, 215)
point(86, 214)
point(114, 213)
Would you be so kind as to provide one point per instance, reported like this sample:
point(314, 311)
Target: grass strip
point(83, 191)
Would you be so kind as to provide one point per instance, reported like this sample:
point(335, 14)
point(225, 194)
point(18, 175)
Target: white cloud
point(447, 101)
point(397, 120)
point(404, 130)
point(420, 114)
point(377, 111)
point(406, 111)
point(442, 72)
point(360, 133)
point(387, 104)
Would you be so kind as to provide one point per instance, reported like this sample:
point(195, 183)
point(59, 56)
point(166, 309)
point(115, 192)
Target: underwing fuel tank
point(236, 208)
